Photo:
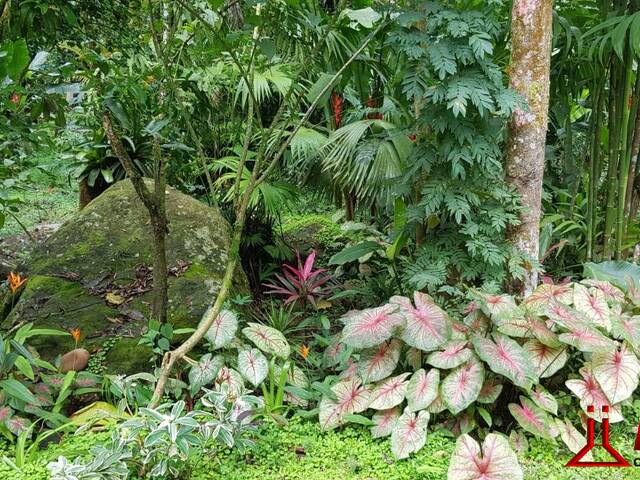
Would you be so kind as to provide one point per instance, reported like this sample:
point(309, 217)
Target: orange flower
point(15, 281)
point(75, 333)
point(304, 351)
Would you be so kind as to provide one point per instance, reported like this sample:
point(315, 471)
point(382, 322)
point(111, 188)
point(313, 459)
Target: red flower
point(336, 105)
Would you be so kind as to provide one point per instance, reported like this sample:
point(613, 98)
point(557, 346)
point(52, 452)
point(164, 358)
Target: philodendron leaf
point(350, 397)
point(204, 372)
point(370, 327)
point(253, 365)
point(454, 354)
point(427, 325)
point(385, 421)
point(496, 460)
point(531, 417)
point(379, 362)
point(462, 386)
point(223, 329)
point(409, 433)
point(389, 393)
point(617, 373)
point(505, 357)
point(546, 360)
point(422, 389)
point(267, 339)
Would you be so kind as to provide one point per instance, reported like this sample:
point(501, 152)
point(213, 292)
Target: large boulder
point(94, 274)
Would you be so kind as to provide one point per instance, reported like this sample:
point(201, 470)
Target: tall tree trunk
point(529, 76)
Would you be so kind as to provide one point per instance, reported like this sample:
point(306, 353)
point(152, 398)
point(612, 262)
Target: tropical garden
point(319, 239)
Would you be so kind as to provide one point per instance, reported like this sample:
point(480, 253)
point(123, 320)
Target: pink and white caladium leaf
point(438, 405)
point(516, 325)
point(372, 326)
point(455, 353)
point(546, 360)
point(409, 433)
point(427, 325)
point(505, 357)
point(385, 421)
point(253, 365)
point(350, 397)
point(490, 391)
point(462, 386)
point(593, 304)
point(518, 441)
point(587, 339)
point(547, 294)
point(626, 327)
point(572, 438)
point(544, 400)
point(351, 370)
point(389, 393)
point(566, 317)
point(531, 417)
point(267, 339)
point(422, 389)
point(543, 333)
point(496, 460)
point(413, 358)
point(230, 381)
point(223, 329)
point(17, 425)
point(459, 331)
point(617, 373)
point(498, 306)
point(463, 423)
point(5, 413)
point(611, 293)
point(477, 322)
point(205, 371)
point(590, 393)
point(379, 362)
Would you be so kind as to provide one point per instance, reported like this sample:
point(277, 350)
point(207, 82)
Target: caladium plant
point(412, 360)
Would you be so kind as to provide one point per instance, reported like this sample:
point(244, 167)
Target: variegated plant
point(412, 360)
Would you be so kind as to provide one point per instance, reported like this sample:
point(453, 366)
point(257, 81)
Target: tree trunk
point(529, 76)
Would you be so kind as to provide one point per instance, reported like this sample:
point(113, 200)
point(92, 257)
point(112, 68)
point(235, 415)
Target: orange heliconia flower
point(304, 351)
point(75, 333)
point(15, 281)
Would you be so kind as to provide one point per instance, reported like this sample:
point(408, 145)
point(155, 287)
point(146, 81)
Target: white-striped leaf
point(389, 393)
point(422, 389)
point(547, 294)
point(454, 354)
point(496, 460)
point(546, 360)
point(253, 365)
point(590, 393)
point(627, 328)
point(204, 372)
point(267, 339)
point(351, 397)
point(505, 357)
point(379, 362)
point(427, 325)
point(593, 304)
point(617, 373)
point(409, 433)
point(462, 386)
point(372, 326)
point(385, 421)
point(223, 329)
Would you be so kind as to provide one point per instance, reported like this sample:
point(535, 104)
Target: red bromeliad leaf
point(351, 396)
point(531, 417)
point(427, 325)
point(223, 329)
point(462, 386)
point(617, 373)
point(587, 339)
point(547, 294)
point(454, 354)
point(546, 360)
point(590, 393)
point(385, 421)
point(379, 362)
point(371, 327)
point(627, 328)
point(543, 333)
point(544, 400)
point(267, 339)
point(518, 441)
point(496, 460)
point(253, 365)
point(506, 357)
point(389, 393)
point(409, 434)
point(490, 391)
point(593, 304)
point(572, 438)
point(422, 389)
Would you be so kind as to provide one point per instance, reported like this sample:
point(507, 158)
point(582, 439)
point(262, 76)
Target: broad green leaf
point(15, 389)
point(353, 253)
point(621, 274)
